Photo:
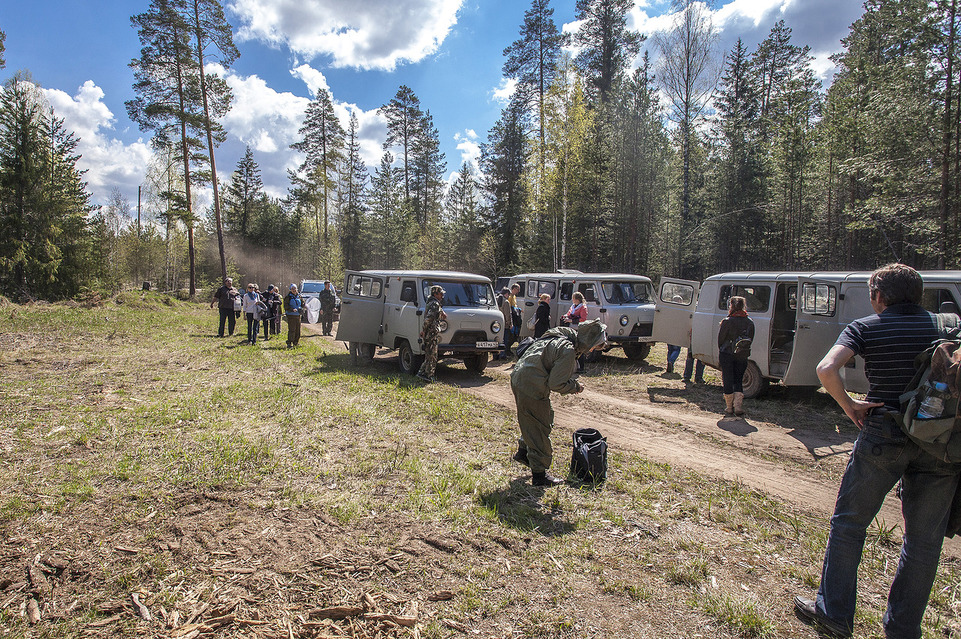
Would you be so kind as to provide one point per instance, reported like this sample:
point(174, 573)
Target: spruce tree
point(607, 46)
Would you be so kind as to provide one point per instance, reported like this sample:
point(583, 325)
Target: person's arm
point(560, 379)
point(829, 372)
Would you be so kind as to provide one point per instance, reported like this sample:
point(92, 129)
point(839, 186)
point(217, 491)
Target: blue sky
point(448, 51)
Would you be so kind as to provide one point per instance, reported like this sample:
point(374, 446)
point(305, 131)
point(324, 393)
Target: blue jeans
point(672, 353)
point(882, 455)
point(253, 328)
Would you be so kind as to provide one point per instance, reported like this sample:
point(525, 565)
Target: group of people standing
point(268, 308)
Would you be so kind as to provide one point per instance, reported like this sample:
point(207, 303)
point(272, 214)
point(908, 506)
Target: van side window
point(938, 300)
point(363, 286)
point(567, 290)
point(758, 297)
point(587, 290)
point(819, 299)
point(545, 287)
point(677, 293)
point(523, 285)
point(409, 292)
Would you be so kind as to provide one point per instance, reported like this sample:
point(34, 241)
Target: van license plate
point(487, 344)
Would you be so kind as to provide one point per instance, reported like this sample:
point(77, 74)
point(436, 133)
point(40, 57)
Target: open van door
point(674, 311)
point(818, 327)
point(361, 308)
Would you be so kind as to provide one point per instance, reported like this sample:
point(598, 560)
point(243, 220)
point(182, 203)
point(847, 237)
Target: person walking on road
point(548, 365)
point(430, 332)
point(888, 341)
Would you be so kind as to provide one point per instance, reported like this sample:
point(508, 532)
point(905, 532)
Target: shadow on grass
point(520, 507)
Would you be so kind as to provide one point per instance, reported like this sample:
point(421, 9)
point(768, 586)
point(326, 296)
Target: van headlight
point(495, 327)
point(442, 326)
point(624, 320)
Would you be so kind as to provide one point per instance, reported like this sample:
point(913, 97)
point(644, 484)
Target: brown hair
point(896, 284)
point(736, 304)
point(579, 296)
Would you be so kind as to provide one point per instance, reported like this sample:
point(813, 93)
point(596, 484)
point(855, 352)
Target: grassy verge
point(249, 491)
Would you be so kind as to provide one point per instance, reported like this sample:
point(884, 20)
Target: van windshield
point(462, 293)
point(628, 292)
point(311, 287)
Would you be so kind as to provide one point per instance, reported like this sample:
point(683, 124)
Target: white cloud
point(469, 147)
point(109, 162)
point(371, 130)
point(505, 90)
point(313, 78)
point(372, 34)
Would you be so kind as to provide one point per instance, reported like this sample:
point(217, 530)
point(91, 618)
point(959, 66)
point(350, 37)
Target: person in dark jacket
point(542, 316)
point(548, 365)
point(328, 299)
point(504, 305)
point(272, 301)
point(225, 296)
point(734, 347)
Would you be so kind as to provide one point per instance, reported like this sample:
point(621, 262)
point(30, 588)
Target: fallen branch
point(336, 612)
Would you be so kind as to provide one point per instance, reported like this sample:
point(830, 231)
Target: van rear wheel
point(409, 361)
point(637, 352)
point(476, 363)
point(753, 384)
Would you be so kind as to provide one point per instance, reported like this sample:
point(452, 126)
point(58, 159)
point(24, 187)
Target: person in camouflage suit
point(430, 332)
point(548, 365)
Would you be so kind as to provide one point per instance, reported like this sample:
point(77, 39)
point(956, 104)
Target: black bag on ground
point(589, 459)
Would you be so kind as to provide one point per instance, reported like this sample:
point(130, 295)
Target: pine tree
point(315, 182)
point(242, 196)
point(503, 160)
point(353, 194)
point(427, 173)
point(44, 237)
point(389, 236)
point(168, 102)
point(608, 47)
point(3, 39)
point(404, 119)
point(213, 41)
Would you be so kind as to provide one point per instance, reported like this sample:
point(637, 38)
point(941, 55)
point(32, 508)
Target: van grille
point(468, 337)
point(645, 329)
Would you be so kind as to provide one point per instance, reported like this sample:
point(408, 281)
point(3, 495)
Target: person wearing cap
point(327, 300)
point(430, 332)
point(548, 364)
point(293, 306)
point(226, 295)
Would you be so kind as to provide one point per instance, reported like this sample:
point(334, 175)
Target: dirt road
point(800, 467)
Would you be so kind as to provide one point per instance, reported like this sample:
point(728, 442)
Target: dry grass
point(249, 491)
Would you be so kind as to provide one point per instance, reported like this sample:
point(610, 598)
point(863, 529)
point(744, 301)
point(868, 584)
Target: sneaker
point(806, 610)
point(545, 479)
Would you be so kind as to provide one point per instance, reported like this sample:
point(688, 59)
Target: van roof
point(844, 276)
point(436, 275)
point(604, 277)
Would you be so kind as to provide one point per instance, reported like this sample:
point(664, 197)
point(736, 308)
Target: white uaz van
point(797, 319)
point(386, 308)
point(625, 303)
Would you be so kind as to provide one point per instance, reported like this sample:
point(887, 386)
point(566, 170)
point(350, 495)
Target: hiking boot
point(545, 479)
point(806, 610)
point(729, 404)
point(521, 456)
point(739, 404)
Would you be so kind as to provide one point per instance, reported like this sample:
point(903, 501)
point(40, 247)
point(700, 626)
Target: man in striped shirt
point(888, 341)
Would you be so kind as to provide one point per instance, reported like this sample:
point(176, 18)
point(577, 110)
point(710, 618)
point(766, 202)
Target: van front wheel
point(637, 352)
point(476, 363)
point(409, 361)
point(753, 384)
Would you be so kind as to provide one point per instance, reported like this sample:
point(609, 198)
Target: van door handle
point(803, 326)
point(603, 310)
point(345, 302)
point(420, 312)
point(528, 303)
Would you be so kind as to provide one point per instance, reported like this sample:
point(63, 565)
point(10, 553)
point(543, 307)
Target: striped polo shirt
point(889, 342)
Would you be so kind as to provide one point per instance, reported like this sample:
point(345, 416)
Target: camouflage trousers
point(431, 340)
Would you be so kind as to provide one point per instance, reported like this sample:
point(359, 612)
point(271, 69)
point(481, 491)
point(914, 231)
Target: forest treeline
point(685, 161)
